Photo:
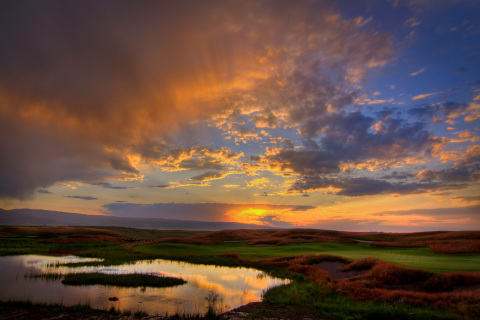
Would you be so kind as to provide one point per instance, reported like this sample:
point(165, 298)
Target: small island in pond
point(121, 280)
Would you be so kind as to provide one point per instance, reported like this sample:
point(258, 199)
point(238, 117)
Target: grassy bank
point(28, 245)
point(327, 303)
point(121, 280)
point(422, 258)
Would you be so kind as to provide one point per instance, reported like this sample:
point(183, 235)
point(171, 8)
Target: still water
point(236, 286)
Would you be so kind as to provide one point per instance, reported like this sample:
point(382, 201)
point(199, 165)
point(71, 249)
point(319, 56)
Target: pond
point(235, 286)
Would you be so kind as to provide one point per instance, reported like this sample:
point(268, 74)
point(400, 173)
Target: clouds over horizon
point(310, 102)
point(90, 90)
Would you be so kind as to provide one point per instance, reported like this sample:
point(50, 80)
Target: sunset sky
point(348, 115)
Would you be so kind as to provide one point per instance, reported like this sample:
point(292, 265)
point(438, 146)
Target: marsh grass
point(350, 300)
point(325, 302)
point(214, 304)
point(121, 280)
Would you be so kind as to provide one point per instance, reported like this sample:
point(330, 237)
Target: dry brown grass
point(443, 300)
point(58, 231)
point(361, 264)
point(272, 236)
point(456, 246)
point(385, 273)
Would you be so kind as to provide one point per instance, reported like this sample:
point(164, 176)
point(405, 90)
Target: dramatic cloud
point(313, 102)
point(93, 82)
point(355, 187)
point(348, 140)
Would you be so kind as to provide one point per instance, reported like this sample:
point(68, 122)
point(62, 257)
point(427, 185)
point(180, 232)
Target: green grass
point(121, 280)
point(28, 245)
point(324, 302)
point(422, 258)
point(23, 245)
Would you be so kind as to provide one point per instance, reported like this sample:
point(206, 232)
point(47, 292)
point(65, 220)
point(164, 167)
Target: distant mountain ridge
point(35, 217)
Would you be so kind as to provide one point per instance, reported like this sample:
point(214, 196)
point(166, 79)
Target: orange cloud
point(422, 96)
point(155, 75)
point(190, 158)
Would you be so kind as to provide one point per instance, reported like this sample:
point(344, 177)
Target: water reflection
point(237, 286)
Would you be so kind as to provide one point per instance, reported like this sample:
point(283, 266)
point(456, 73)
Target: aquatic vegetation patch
point(121, 280)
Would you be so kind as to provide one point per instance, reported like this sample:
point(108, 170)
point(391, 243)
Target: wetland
point(238, 274)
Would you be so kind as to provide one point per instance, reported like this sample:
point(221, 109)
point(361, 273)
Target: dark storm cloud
point(188, 211)
point(352, 137)
point(305, 161)
point(33, 156)
point(356, 187)
point(85, 83)
point(76, 77)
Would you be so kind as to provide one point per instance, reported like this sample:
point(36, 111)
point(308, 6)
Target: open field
point(334, 276)
point(422, 258)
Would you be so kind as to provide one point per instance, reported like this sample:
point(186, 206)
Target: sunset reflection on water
point(236, 286)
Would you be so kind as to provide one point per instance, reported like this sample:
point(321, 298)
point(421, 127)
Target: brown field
point(439, 242)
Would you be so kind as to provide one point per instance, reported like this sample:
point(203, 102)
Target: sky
point(348, 115)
